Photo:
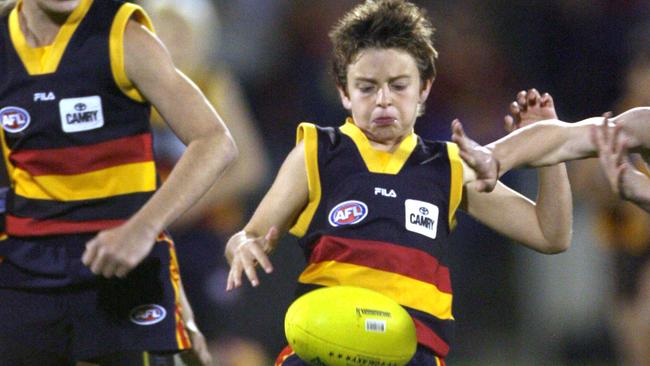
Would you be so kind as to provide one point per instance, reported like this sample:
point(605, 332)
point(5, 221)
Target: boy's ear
point(424, 93)
point(345, 99)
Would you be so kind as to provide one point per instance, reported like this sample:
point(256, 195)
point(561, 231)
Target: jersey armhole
point(116, 47)
point(308, 134)
point(456, 182)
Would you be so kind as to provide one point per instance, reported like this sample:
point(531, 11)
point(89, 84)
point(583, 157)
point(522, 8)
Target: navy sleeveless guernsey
point(382, 221)
point(76, 136)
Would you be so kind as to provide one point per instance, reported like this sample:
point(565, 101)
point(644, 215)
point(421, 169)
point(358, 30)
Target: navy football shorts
point(63, 313)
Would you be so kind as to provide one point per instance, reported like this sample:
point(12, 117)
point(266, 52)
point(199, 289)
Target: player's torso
point(78, 149)
point(382, 222)
point(407, 204)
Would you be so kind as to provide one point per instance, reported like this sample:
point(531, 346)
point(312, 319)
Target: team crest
point(147, 314)
point(348, 213)
point(14, 119)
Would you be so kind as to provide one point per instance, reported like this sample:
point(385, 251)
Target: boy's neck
point(39, 27)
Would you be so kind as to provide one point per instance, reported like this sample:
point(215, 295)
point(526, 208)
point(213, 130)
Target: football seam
point(347, 348)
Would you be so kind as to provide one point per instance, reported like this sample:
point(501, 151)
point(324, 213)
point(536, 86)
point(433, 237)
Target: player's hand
point(198, 355)
point(476, 157)
point(614, 159)
point(528, 108)
point(115, 252)
point(245, 252)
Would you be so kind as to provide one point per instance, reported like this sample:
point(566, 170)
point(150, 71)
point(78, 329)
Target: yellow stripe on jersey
point(379, 161)
point(407, 291)
point(103, 183)
point(45, 60)
point(116, 46)
point(309, 135)
point(456, 182)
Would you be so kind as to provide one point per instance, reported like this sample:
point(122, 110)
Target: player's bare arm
point(210, 149)
point(635, 124)
point(544, 226)
point(279, 208)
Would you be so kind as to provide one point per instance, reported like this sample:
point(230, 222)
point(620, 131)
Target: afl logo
point(14, 119)
point(348, 213)
point(147, 314)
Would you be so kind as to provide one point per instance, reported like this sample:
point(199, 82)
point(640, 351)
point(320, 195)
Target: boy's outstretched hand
point(244, 252)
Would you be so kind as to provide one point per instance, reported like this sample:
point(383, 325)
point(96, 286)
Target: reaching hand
point(116, 251)
point(477, 157)
point(244, 252)
point(614, 159)
point(529, 108)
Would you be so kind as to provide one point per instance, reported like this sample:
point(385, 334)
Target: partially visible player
point(372, 203)
point(553, 141)
point(87, 272)
point(619, 223)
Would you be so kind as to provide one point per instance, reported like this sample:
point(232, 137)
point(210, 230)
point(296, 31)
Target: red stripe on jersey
point(430, 339)
point(83, 159)
point(23, 226)
point(384, 256)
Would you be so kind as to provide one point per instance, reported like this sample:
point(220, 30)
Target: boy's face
point(384, 93)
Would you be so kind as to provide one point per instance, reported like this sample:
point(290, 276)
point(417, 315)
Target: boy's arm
point(279, 208)
point(544, 226)
point(210, 149)
point(553, 141)
point(635, 124)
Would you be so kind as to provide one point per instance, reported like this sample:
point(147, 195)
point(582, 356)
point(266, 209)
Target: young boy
point(372, 203)
point(86, 273)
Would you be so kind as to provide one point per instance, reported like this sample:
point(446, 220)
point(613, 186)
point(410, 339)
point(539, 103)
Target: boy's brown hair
point(386, 24)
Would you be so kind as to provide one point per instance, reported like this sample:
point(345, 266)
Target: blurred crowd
point(265, 66)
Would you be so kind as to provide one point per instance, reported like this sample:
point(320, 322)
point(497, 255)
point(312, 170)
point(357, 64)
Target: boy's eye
point(399, 86)
point(366, 88)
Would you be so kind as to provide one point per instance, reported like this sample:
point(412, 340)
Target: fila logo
point(385, 192)
point(43, 97)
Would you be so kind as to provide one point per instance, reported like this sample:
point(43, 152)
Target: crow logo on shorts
point(148, 314)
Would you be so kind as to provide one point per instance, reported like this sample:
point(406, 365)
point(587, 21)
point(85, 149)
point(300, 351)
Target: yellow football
point(344, 326)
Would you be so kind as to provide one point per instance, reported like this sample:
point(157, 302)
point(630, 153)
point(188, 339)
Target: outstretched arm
point(279, 208)
point(553, 141)
point(544, 143)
